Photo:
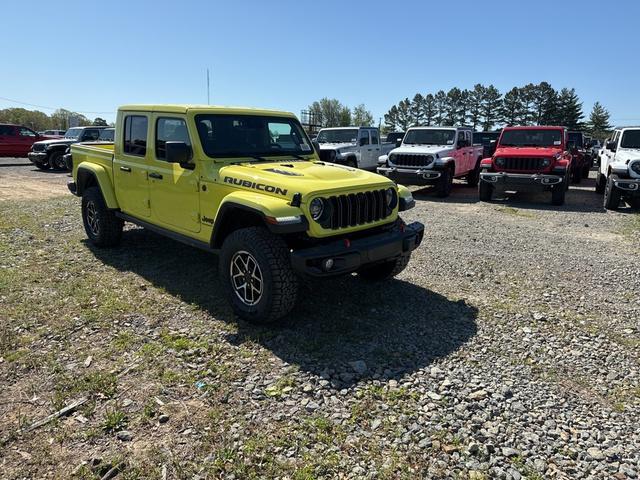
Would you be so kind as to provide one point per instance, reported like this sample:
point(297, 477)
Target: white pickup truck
point(357, 147)
point(619, 171)
point(434, 156)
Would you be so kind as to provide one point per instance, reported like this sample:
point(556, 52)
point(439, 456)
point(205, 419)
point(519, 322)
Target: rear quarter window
point(135, 135)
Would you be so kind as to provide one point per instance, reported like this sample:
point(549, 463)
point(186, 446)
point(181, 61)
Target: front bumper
point(630, 186)
point(411, 176)
point(37, 157)
point(349, 255)
point(534, 181)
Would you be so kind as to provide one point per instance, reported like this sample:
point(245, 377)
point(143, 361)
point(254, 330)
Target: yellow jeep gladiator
point(247, 184)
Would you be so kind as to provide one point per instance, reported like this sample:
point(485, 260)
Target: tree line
point(37, 120)
point(330, 112)
point(485, 108)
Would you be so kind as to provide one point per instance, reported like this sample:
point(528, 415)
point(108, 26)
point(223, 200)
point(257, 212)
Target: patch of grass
point(527, 472)
point(114, 420)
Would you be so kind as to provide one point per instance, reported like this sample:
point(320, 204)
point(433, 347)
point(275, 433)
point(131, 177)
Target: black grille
point(38, 147)
point(328, 155)
point(410, 160)
point(523, 163)
point(357, 209)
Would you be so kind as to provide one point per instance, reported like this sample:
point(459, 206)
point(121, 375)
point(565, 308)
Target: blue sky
point(94, 56)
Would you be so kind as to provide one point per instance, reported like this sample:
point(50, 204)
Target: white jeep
point(619, 171)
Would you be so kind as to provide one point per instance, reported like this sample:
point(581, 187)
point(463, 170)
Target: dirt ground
point(22, 180)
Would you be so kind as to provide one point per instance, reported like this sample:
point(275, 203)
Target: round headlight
point(635, 166)
point(391, 197)
point(546, 162)
point(316, 207)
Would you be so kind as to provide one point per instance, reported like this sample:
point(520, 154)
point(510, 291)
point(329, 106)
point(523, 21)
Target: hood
point(627, 154)
point(335, 146)
point(57, 141)
point(284, 178)
point(423, 149)
point(527, 151)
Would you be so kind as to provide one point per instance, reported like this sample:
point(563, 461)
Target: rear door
point(364, 145)
point(174, 188)
point(7, 140)
point(130, 166)
point(375, 149)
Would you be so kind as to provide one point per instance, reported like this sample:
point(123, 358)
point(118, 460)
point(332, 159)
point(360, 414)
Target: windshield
point(394, 137)
point(73, 133)
point(251, 136)
point(338, 136)
point(429, 137)
point(576, 138)
point(531, 138)
point(630, 139)
point(485, 138)
point(106, 135)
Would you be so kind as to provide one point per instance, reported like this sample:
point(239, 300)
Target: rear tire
point(485, 191)
point(42, 166)
point(558, 193)
point(612, 195)
point(386, 270)
point(351, 162)
point(103, 228)
point(585, 172)
point(445, 183)
point(256, 273)
point(56, 160)
point(601, 183)
point(474, 176)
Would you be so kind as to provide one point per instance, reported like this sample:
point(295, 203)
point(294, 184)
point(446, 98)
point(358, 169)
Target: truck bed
point(100, 153)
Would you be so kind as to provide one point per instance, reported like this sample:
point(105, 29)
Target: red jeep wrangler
point(528, 158)
point(581, 164)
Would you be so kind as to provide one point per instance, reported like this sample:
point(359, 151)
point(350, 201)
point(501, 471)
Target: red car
point(528, 158)
point(16, 140)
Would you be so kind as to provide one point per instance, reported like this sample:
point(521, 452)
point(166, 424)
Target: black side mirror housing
point(398, 142)
point(316, 146)
point(611, 146)
point(177, 152)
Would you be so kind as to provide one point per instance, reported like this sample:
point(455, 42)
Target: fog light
point(327, 264)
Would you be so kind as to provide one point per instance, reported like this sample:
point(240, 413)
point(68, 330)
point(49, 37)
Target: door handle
point(125, 169)
point(155, 175)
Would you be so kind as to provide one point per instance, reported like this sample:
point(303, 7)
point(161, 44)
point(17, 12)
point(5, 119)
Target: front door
point(364, 143)
point(25, 140)
point(130, 167)
point(375, 149)
point(174, 188)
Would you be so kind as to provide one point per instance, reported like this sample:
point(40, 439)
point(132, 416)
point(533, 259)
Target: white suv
point(619, 171)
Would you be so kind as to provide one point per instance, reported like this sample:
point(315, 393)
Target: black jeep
point(49, 153)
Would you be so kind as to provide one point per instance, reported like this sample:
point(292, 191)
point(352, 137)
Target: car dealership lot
point(508, 347)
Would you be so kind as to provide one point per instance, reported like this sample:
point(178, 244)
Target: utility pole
point(208, 90)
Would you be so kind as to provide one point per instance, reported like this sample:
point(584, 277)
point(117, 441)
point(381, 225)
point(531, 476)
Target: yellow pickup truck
point(246, 184)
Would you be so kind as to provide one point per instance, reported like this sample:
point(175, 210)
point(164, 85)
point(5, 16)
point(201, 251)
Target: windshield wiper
point(241, 154)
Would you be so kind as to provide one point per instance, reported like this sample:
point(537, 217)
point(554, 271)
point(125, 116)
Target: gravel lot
point(508, 349)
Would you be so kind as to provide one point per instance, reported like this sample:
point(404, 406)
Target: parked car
point(50, 153)
point(488, 141)
point(106, 137)
point(16, 140)
point(394, 138)
point(593, 148)
point(257, 194)
point(619, 171)
point(53, 133)
point(357, 147)
point(528, 158)
point(581, 163)
point(434, 156)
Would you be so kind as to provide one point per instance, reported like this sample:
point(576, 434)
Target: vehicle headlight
point(391, 197)
point(316, 208)
point(635, 166)
point(500, 161)
point(546, 162)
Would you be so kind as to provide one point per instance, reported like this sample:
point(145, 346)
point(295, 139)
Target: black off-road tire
point(612, 195)
point(558, 193)
point(445, 183)
point(473, 177)
point(485, 191)
point(352, 162)
point(386, 270)
point(42, 166)
point(576, 175)
point(103, 228)
point(585, 171)
point(601, 183)
point(279, 281)
point(56, 160)
point(634, 203)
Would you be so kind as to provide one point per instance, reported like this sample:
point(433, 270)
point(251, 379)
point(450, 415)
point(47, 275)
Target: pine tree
point(405, 119)
point(429, 110)
point(569, 109)
point(362, 117)
point(454, 101)
point(512, 107)
point(391, 119)
point(599, 121)
point(417, 110)
point(476, 97)
point(544, 104)
point(441, 107)
point(490, 110)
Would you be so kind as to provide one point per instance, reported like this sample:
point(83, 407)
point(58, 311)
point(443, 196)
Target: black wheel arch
point(85, 179)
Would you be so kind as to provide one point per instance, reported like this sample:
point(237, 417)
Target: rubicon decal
point(256, 186)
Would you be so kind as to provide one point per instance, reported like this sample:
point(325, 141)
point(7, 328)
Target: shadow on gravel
point(461, 193)
point(394, 327)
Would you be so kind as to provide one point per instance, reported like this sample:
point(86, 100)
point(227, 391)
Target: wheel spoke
point(246, 277)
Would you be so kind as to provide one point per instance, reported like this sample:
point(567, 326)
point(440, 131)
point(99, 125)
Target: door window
point(25, 132)
point(6, 130)
point(135, 135)
point(364, 137)
point(374, 137)
point(170, 130)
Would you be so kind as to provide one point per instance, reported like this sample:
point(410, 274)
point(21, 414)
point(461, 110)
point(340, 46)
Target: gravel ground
point(507, 349)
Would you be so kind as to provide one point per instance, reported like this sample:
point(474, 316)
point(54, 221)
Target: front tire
point(485, 191)
point(576, 175)
point(42, 166)
point(256, 273)
point(558, 193)
point(612, 195)
point(601, 183)
point(385, 270)
point(103, 228)
point(585, 171)
point(56, 160)
point(445, 183)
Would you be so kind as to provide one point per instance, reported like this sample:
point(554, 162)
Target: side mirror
point(177, 152)
point(398, 142)
point(316, 145)
point(611, 146)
